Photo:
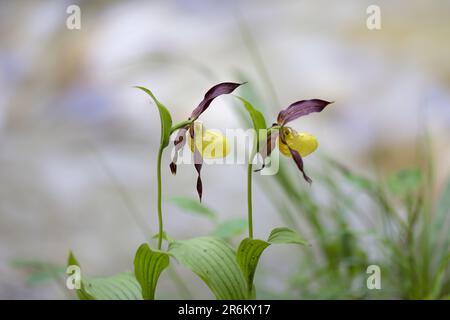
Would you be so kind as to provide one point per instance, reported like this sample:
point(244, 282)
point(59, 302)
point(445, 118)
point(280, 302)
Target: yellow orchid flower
point(291, 143)
point(210, 143)
point(304, 143)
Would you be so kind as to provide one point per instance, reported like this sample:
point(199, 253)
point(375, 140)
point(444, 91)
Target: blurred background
point(78, 144)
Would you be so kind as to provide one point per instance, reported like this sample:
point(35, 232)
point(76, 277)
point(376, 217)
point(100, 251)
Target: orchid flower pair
point(291, 143)
point(227, 272)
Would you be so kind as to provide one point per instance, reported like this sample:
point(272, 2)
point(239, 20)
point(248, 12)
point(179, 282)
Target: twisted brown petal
point(299, 162)
point(268, 147)
point(179, 143)
point(198, 162)
point(214, 92)
point(297, 159)
point(300, 109)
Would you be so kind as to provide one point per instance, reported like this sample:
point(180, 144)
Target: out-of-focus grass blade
point(438, 281)
point(193, 206)
point(443, 208)
point(39, 272)
point(440, 232)
point(405, 181)
point(357, 180)
point(230, 228)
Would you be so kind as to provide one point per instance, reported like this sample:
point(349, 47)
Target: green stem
point(160, 220)
point(158, 177)
point(180, 125)
point(249, 182)
point(249, 200)
point(249, 187)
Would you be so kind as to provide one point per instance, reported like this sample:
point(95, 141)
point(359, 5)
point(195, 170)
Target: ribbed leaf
point(122, 286)
point(285, 235)
point(214, 261)
point(248, 255)
point(148, 265)
point(164, 114)
point(193, 206)
point(250, 251)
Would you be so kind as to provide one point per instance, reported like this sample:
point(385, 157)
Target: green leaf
point(285, 236)
point(250, 251)
point(122, 286)
point(230, 228)
point(248, 255)
point(258, 121)
point(439, 281)
point(214, 261)
point(443, 208)
point(404, 181)
point(193, 206)
point(165, 237)
point(39, 272)
point(441, 222)
point(257, 117)
point(148, 265)
point(164, 114)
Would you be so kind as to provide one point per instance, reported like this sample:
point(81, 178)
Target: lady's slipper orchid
point(291, 143)
point(208, 144)
point(211, 144)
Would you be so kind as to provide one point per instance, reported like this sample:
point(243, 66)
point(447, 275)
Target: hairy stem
point(160, 220)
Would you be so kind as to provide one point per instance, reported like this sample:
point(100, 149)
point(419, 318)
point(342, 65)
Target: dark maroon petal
point(214, 92)
point(299, 162)
point(198, 167)
point(297, 159)
point(198, 162)
point(179, 143)
point(300, 109)
point(173, 168)
point(267, 148)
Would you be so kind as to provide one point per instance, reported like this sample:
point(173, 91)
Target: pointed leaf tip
point(164, 115)
point(250, 251)
point(285, 235)
point(148, 266)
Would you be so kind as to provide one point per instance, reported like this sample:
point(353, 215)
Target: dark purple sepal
point(301, 108)
point(211, 94)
